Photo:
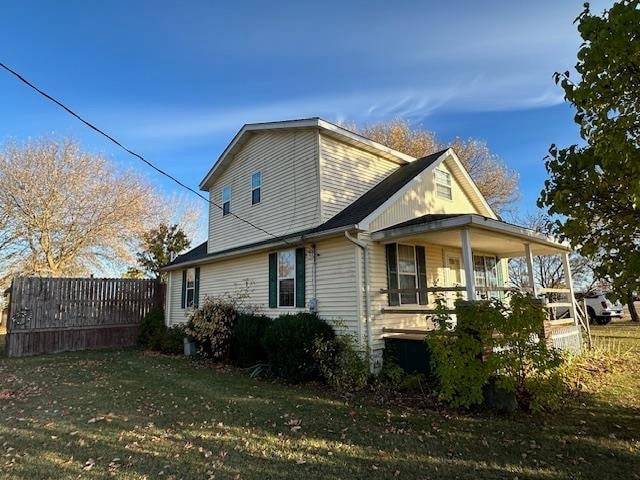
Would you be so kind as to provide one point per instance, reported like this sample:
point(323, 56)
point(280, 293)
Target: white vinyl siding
point(288, 164)
point(347, 173)
point(335, 283)
point(421, 199)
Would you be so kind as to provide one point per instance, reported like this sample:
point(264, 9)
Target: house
point(311, 216)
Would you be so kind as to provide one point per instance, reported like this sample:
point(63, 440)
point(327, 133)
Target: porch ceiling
point(487, 235)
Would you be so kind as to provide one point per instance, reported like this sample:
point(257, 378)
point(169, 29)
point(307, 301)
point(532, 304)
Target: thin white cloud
point(477, 94)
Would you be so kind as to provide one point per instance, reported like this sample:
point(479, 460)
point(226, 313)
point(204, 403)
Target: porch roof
point(486, 234)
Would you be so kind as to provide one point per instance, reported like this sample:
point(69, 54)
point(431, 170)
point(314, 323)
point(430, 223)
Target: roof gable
point(450, 160)
point(328, 128)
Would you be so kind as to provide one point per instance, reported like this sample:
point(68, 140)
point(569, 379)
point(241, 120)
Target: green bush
point(211, 325)
point(152, 329)
point(173, 340)
point(496, 340)
point(458, 354)
point(340, 364)
point(246, 345)
point(289, 343)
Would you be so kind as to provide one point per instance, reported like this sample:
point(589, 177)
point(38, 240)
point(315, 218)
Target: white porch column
point(467, 259)
point(532, 277)
point(569, 282)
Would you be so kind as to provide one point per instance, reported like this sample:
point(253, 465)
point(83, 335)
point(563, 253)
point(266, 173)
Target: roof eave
point(468, 220)
point(277, 243)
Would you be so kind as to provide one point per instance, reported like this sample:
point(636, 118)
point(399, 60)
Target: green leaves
point(160, 245)
point(594, 188)
point(490, 339)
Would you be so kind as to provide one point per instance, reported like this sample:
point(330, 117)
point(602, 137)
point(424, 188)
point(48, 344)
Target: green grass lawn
point(125, 414)
point(617, 337)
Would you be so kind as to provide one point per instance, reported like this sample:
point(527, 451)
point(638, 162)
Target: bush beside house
point(153, 334)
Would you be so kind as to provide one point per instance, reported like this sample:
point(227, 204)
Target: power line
point(129, 151)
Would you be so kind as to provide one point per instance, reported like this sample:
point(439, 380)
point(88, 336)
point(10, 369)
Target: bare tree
point(548, 269)
point(495, 180)
point(65, 212)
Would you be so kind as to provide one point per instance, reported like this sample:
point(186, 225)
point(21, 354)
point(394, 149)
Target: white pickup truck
point(600, 309)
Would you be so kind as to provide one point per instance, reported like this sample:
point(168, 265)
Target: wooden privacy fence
point(48, 315)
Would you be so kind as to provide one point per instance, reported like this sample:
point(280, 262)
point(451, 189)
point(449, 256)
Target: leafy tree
point(497, 182)
point(160, 245)
point(593, 188)
point(66, 212)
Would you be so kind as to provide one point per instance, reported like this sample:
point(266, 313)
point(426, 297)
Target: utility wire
point(131, 152)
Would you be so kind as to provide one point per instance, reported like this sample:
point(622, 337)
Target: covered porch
point(475, 255)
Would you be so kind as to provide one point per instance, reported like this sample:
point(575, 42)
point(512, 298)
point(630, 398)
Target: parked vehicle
point(600, 309)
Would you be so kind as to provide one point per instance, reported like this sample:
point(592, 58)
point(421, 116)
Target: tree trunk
point(632, 307)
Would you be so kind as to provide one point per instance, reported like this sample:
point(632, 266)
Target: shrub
point(246, 346)
point(527, 367)
point(458, 354)
point(494, 340)
point(340, 364)
point(289, 342)
point(211, 325)
point(152, 329)
point(173, 340)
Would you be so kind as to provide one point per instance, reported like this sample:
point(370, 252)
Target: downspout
point(367, 296)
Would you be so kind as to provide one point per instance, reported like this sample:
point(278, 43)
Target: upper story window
point(226, 200)
point(443, 184)
point(256, 188)
point(286, 278)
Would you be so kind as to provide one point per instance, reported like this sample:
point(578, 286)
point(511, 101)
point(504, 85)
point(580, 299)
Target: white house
point(314, 217)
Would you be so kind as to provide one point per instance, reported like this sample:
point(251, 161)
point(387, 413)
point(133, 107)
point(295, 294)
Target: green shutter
point(196, 288)
point(422, 273)
point(300, 266)
point(183, 302)
point(273, 280)
point(392, 273)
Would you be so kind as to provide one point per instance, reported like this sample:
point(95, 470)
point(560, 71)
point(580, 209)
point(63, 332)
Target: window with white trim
point(407, 274)
point(485, 271)
point(286, 278)
point(256, 188)
point(443, 184)
point(226, 200)
point(190, 289)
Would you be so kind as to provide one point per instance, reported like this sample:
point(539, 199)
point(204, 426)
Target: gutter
point(367, 293)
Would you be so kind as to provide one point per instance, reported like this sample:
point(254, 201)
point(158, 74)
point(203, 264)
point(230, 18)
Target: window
point(226, 200)
point(443, 184)
point(191, 287)
point(407, 273)
point(256, 187)
point(286, 278)
point(485, 272)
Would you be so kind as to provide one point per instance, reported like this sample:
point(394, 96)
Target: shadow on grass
point(159, 414)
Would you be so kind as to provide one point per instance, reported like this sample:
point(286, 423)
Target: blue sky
point(176, 80)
